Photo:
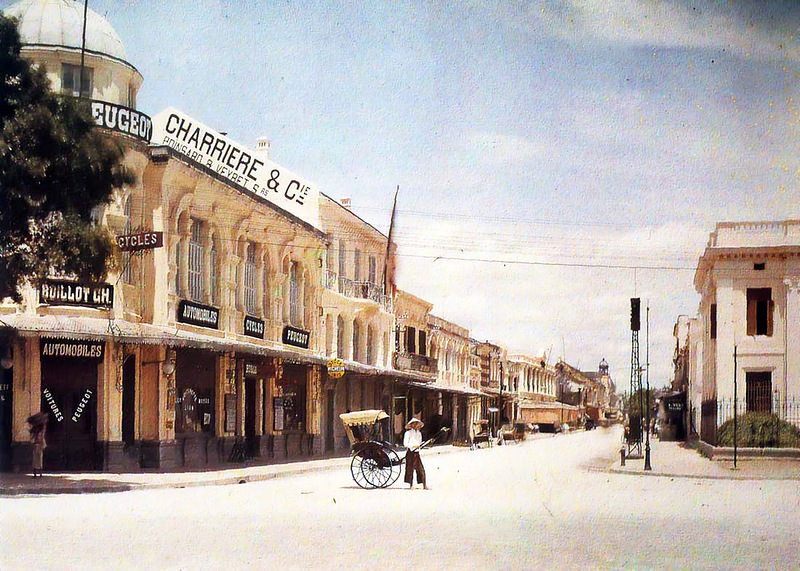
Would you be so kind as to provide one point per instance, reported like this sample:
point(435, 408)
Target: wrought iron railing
point(362, 290)
point(414, 362)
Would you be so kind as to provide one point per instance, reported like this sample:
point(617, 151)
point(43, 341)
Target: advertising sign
point(335, 368)
point(59, 292)
point(253, 327)
point(295, 337)
point(140, 241)
point(240, 166)
point(49, 347)
point(122, 119)
point(196, 314)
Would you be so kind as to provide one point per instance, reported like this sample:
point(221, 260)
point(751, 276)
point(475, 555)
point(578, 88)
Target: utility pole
point(735, 406)
point(647, 376)
point(83, 49)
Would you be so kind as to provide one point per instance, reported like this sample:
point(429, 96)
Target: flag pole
point(83, 48)
point(389, 246)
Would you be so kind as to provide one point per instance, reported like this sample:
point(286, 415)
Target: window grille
point(294, 295)
point(214, 270)
point(356, 266)
point(370, 343)
point(196, 259)
point(127, 271)
point(356, 341)
point(250, 280)
point(266, 289)
point(373, 269)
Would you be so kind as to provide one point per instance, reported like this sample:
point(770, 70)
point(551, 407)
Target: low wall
point(726, 452)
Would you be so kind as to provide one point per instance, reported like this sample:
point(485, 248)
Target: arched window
point(127, 271)
point(196, 260)
point(340, 337)
point(294, 294)
point(250, 279)
point(356, 341)
point(214, 270)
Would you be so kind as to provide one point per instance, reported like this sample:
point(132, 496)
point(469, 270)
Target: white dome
point(60, 23)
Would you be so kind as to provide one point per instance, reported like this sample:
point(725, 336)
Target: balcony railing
point(362, 290)
point(414, 362)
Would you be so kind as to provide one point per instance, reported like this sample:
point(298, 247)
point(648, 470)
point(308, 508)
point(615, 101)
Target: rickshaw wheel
point(357, 472)
point(397, 466)
point(377, 468)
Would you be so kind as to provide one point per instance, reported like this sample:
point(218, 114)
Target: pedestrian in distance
point(38, 423)
point(412, 441)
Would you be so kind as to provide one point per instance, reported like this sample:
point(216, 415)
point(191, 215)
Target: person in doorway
point(412, 440)
point(38, 428)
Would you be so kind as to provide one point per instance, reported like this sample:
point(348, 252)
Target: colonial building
point(600, 397)
point(535, 383)
point(749, 282)
point(206, 340)
point(358, 317)
point(497, 405)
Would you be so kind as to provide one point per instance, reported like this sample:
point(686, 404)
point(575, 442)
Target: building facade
point(749, 282)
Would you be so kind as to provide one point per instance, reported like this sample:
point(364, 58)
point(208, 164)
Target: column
point(792, 337)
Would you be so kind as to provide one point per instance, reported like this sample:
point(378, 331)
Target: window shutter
point(751, 316)
point(770, 312)
point(411, 338)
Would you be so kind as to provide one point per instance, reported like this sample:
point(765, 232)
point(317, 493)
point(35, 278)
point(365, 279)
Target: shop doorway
point(129, 401)
point(6, 413)
point(330, 399)
point(251, 439)
point(69, 395)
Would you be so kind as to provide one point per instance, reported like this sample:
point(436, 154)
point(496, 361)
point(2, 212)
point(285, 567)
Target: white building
point(749, 282)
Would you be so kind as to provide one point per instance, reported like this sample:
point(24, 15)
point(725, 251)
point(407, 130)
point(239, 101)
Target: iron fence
point(717, 412)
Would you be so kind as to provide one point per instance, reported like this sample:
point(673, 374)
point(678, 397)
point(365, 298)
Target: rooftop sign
point(122, 119)
point(236, 163)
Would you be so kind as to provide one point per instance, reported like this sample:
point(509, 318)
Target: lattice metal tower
point(634, 438)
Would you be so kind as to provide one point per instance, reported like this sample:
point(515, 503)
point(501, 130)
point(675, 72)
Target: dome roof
point(60, 23)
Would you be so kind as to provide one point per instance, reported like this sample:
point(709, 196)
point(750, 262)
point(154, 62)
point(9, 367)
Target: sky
point(554, 159)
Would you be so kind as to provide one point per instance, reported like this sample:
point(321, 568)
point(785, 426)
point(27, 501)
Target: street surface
point(530, 506)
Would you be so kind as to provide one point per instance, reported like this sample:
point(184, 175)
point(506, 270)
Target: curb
point(277, 471)
point(612, 470)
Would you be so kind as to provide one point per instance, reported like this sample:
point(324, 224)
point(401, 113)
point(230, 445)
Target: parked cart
point(375, 463)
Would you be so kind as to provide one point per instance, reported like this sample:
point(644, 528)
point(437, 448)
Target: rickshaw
point(375, 463)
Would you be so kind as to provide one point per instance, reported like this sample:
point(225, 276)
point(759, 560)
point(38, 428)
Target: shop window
point(250, 273)
point(760, 308)
point(213, 269)
point(759, 391)
point(195, 374)
point(70, 80)
point(196, 260)
point(290, 406)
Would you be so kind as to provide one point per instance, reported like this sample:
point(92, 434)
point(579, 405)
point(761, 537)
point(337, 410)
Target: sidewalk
point(103, 482)
point(679, 460)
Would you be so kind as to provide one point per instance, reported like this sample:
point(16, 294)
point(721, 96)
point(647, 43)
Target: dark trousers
point(414, 463)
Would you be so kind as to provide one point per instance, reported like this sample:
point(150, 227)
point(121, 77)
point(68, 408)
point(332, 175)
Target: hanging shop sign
point(122, 119)
point(140, 241)
point(295, 337)
point(59, 292)
point(197, 314)
point(253, 327)
point(246, 170)
point(335, 368)
point(250, 369)
point(49, 347)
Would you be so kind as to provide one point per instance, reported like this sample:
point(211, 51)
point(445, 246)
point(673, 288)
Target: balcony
point(359, 290)
point(414, 362)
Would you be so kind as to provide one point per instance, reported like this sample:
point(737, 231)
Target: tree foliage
point(56, 169)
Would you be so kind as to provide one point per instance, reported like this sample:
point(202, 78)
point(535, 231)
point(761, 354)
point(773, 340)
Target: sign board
point(253, 327)
point(59, 292)
point(243, 168)
point(197, 314)
point(296, 337)
point(70, 348)
point(140, 241)
point(250, 369)
point(122, 119)
point(335, 368)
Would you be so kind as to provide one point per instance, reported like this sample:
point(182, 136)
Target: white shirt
point(412, 439)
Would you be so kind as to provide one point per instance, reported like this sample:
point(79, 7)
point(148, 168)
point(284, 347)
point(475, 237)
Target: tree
point(56, 169)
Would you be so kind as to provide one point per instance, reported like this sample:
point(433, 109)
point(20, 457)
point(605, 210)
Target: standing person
point(412, 440)
point(38, 428)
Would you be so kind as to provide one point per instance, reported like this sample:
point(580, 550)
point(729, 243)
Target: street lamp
point(647, 380)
